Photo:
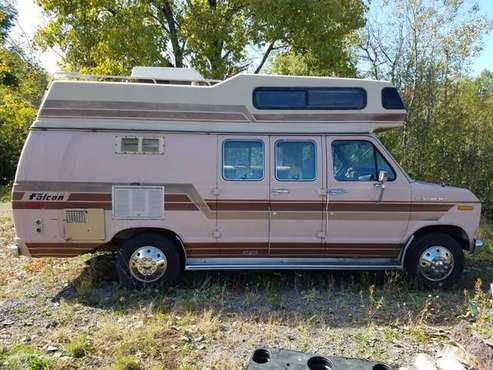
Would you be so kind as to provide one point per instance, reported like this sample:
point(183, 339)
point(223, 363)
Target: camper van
point(175, 172)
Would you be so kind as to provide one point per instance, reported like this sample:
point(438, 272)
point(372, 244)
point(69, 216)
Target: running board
point(292, 264)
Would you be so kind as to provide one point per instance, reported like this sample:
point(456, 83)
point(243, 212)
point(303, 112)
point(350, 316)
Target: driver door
point(364, 220)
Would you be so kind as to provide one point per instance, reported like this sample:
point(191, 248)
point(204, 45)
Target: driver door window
point(358, 160)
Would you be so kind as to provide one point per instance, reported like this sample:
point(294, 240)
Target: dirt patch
point(475, 345)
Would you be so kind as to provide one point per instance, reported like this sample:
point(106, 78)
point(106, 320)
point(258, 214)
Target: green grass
point(79, 347)
point(22, 357)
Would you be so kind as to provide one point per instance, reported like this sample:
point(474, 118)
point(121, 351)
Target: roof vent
point(167, 74)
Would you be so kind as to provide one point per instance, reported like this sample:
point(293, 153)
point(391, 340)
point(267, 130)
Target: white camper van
point(255, 172)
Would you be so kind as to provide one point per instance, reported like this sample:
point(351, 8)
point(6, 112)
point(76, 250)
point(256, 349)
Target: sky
point(30, 18)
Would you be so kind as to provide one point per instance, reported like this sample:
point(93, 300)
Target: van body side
point(254, 172)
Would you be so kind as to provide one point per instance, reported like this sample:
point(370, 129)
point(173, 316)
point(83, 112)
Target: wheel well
point(122, 235)
point(454, 231)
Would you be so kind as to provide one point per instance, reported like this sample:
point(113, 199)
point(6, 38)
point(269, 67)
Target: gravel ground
point(71, 313)
point(5, 210)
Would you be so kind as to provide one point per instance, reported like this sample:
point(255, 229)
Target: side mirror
point(383, 176)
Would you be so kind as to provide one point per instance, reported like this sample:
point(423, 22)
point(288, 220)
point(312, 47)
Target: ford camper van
point(175, 172)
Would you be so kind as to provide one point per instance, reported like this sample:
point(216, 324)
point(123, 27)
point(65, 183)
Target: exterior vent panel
point(75, 217)
point(138, 202)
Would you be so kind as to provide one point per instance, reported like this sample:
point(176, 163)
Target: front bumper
point(477, 246)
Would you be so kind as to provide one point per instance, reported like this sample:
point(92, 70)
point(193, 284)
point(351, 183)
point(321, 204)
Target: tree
point(22, 82)
point(215, 36)
point(7, 16)
point(425, 47)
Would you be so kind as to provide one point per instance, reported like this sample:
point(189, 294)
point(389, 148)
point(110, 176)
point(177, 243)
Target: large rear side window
point(323, 98)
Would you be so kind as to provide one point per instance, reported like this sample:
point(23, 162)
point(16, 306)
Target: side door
point(296, 196)
point(242, 205)
point(364, 218)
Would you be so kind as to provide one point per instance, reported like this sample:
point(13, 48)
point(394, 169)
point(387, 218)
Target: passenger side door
point(242, 203)
point(364, 218)
point(296, 196)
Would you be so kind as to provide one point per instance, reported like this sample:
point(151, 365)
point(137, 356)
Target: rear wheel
point(436, 259)
point(148, 260)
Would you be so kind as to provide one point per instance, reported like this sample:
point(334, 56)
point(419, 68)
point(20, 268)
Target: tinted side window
point(277, 99)
point(358, 160)
point(391, 99)
point(337, 98)
point(295, 161)
point(322, 98)
point(243, 160)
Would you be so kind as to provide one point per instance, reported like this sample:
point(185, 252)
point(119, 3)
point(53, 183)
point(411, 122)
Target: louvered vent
point(75, 216)
point(138, 202)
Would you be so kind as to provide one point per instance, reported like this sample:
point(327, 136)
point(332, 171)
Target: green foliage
point(5, 193)
point(479, 309)
point(112, 36)
point(22, 83)
point(425, 50)
point(7, 16)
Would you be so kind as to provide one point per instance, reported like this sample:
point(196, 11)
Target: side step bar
point(292, 264)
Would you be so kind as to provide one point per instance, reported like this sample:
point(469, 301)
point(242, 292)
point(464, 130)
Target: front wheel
point(148, 260)
point(436, 259)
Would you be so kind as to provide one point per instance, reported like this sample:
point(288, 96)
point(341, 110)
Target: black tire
point(168, 248)
point(420, 245)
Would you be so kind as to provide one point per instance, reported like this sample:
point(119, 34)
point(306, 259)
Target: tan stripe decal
point(195, 112)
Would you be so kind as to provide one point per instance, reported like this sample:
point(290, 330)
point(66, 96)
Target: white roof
point(227, 106)
point(167, 73)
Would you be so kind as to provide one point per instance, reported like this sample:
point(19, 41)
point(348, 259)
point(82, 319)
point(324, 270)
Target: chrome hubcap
point(147, 264)
point(436, 263)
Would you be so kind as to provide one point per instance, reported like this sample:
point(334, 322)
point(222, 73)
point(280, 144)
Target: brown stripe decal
point(104, 201)
point(416, 207)
point(61, 249)
point(60, 205)
point(238, 206)
point(90, 197)
point(236, 249)
point(17, 195)
point(292, 249)
point(337, 117)
point(181, 198)
point(142, 115)
point(180, 207)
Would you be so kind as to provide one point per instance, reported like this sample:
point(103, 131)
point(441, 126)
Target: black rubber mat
point(281, 359)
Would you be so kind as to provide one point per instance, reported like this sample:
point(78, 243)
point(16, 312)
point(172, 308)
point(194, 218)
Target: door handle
point(337, 191)
point(280, 191)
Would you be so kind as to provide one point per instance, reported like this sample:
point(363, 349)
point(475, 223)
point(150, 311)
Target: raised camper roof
point(180, 99)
